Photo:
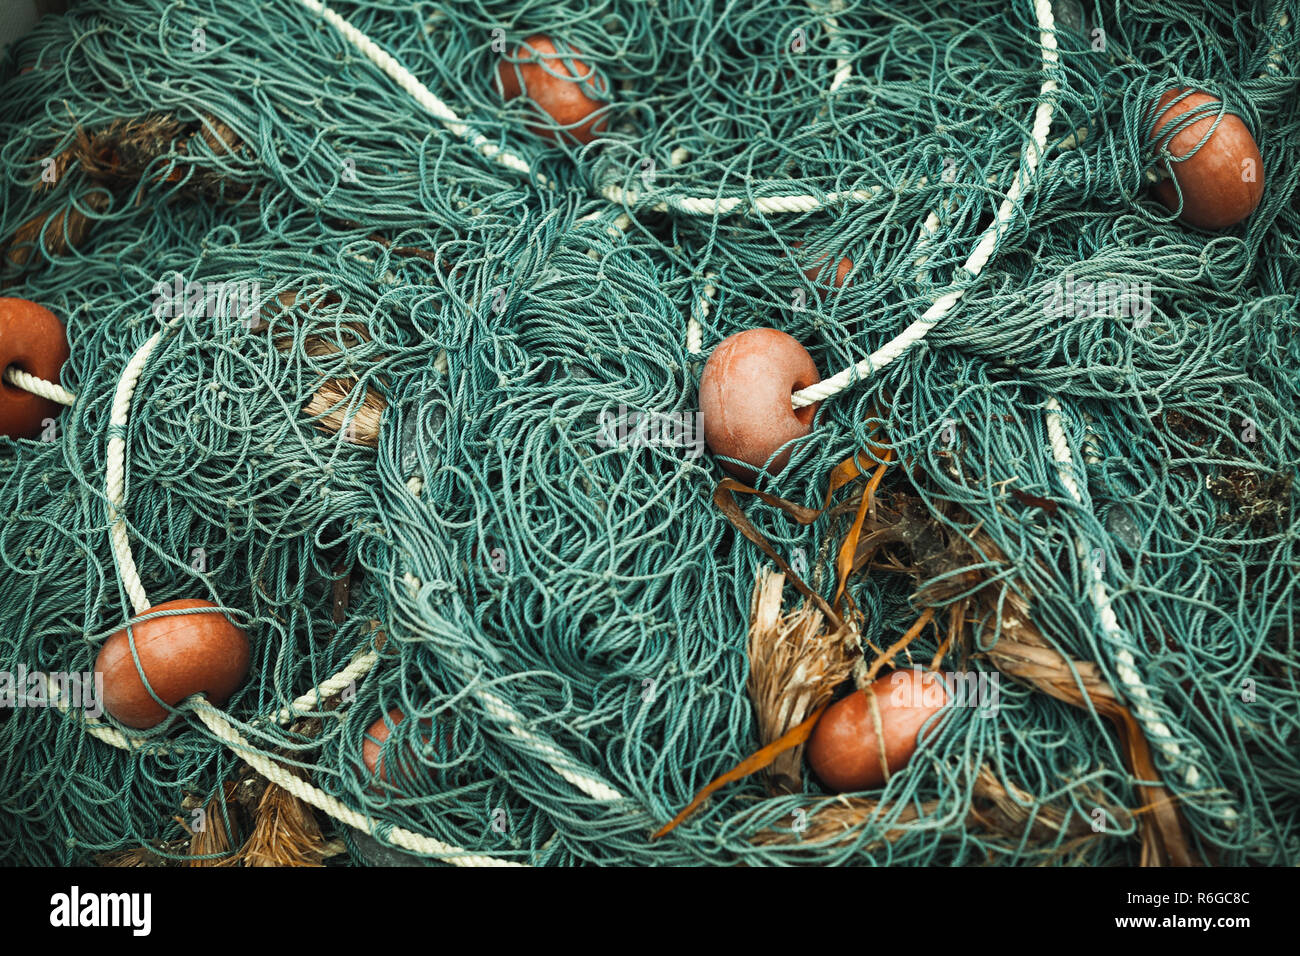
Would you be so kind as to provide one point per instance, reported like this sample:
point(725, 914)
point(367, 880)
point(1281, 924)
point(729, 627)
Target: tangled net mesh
point(564, 610)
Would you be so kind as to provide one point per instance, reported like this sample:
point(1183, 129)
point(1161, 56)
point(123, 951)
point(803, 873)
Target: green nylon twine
point(594, 588)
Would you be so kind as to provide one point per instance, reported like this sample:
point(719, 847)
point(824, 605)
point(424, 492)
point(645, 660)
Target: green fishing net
point(562, 619)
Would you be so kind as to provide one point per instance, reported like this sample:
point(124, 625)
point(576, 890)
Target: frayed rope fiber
point(390, 463)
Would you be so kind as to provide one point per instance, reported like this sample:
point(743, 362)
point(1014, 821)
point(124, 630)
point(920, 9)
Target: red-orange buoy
point(814, 272)
point(841, 271)
point(181, 655)
point(745, 398)
point(377, 734)
point(33, 341)
point(563, 87)
point(1223, 181)
point(844, 750)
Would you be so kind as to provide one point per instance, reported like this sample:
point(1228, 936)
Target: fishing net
point(394, 469)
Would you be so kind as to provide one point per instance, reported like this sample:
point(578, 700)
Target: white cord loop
point(50, 391)
point(979, 257)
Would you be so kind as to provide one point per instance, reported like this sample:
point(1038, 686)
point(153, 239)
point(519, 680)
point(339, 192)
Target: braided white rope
point(553, 756)
point(930, 229)
point(1274, 64)
point(1157, 731)
point(116, 477)
point(419, 92)
point(694, 328)
point(358, 668)
point(102, 731)
point(1089, 446)
point(695, 206)
point(726, 205)
point(1030, 157)
point(556, 758)
point(51, 391)
point(1097, 593)
point(843, 68)
point(208, 714)
point(354, 671)
point(268, 768)
point(115, 483)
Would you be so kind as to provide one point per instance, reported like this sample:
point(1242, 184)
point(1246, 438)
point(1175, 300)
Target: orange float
point(745, 399)
point(32, 340)
point(844, 750)
point(377, 735)
point(180, 654)
point(815, 272)
point(1222, 182)
point(559, 84)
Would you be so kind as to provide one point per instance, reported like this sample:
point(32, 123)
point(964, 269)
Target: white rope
point(116, 478)
point(930, 229)
point(357, 669)
point(701, 206)
point(51, 391)
point(116, 484)
point(1030, 158)
point(711, 206)
point(106, 732)
point(268, 768)
point(1089, 447)
point(1157, 731)
point(495, 706)
point(726, 205)
point(419, 92)
point(1100, 597)
point(1274, 63)
point(694, 206)
point(694, 327)
point(592, 787)
point(843, 70)
point(843, 67)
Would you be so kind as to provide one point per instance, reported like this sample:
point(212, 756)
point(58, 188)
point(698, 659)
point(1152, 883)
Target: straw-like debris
point(146, 855)
point(210, 839)
point(998, 809)
point(116, 159)
point(949, 564)
point(334, 405)
point(795, 664)
point(285, 832)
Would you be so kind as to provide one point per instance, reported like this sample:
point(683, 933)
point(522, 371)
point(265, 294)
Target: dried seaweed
point(795, 664)
point(1255, 499)
point(116, 159)
point(964, 574)
point(998, 809)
